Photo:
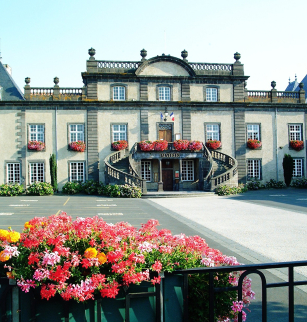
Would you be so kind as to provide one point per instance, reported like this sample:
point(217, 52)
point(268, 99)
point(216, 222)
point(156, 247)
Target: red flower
point(213, 144)
point(180, 145)
point(195, 145)
point(119, 145)
point(253, 144)
point(146, 146)
point(161, 145)
point(77, 146)
point(48, 291)
point(297, 145)
point(36, 145)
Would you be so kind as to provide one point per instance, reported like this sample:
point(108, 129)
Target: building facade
point(163, 97)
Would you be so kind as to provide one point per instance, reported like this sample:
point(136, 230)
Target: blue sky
point(43, 39)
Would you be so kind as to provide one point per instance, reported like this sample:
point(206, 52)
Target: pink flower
point(51, 258)
point(157, 266)
point(25, 285)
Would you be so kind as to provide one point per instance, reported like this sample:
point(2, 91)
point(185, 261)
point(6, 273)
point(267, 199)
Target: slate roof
point(10, 90)
point(293, 86)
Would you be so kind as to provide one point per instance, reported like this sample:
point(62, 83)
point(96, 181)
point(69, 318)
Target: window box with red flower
point(161, 145)
point(254, 144)
point(146, 146)
point(195, 145)
point(213, 144)
point(180, 145)
point(297, 145)
point(78, 146)
point(119, 145)
point(36, 145)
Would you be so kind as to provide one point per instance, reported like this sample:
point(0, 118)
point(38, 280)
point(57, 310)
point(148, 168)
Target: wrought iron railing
point(247, 270)
point(106, 64)
point(226, 177)
point(114, 175)
point(212, 67)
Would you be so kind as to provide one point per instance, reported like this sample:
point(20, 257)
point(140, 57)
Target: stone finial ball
point(92, 52)
point(237, 56)
point(27, 80)
point(273, 84)
point(184, 54)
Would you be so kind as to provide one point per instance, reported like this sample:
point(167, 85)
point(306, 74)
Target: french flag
point(172, 116)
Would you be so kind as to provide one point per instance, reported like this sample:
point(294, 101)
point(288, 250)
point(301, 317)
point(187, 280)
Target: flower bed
point(146, 146)
point(213, 144)
point(180, 145)
point(77, 146)
point(253, 144)
point(36, 145)
point(195, 145)
point(161, 145)
point(297, 145)
point(78, 259)
point(119, 145)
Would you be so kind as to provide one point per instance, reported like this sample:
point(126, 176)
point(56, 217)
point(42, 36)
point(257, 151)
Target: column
point(160, 183)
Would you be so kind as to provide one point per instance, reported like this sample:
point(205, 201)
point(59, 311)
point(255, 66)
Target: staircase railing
point(230, 177)
point(208, 156)
point(113, 175)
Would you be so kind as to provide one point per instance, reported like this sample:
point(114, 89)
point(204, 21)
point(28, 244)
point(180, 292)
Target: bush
point(226, 190)
point(71, 188)
point(299, 183)
point(255, 185)
point(40, 189)
point(110, 190)
point(127, 191)
point(273, 184)
point(11, 189)
point(90, 187)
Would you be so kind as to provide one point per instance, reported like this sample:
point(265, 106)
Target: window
point(164, 93)
point(254, 169)
point(298, 167)
point(77, 171)
point(119, 93)
point(13, 172)
point(212, 132)
point(76, 132)
point(119, 132)
point(36, 172)
point(295, 132)
point(187, 170)
point(146, 170)
point(253, 132)
point(211, 94)
point(36, 132)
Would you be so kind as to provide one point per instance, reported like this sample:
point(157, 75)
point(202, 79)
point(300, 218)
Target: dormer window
point(119, 93)
point(164, 93)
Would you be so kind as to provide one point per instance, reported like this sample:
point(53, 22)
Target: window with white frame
point(254, 169)
point(76, 132)
point(76, 171)
point(119, 93)
point(295, 132)
point(119, 132)
point(187, 170)
point(13, 172)
point(36, 172)
point(253, 132)
point(37, 132)
point(298, 166)
point(212, 132)
point(146, 170)
point(164, 93)
point(211, 94)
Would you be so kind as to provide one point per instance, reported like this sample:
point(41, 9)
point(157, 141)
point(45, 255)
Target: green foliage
point(273, 184)
point(199, 297)
point(53, 172)
point(226, 190)
point(90, 187)
point(299, 183)
point(255, 185)
point(111, 190)
point(127, 191)
point(40, 189)
point(11, 189)
point(71, 188)
point(288, 168)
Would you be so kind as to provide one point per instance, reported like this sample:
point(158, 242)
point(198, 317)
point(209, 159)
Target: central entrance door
point(167, 175)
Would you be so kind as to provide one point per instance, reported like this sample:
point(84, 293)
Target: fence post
point(301, 93)
point(273, 92)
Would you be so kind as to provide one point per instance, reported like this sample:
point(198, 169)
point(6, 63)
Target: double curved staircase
point(220, 169)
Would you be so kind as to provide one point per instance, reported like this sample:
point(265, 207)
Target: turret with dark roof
point(9, 89)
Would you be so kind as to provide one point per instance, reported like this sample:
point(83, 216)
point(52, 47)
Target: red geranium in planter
point(180, 145)
point(195, 145)
point(297, 145)
point(213, 144)
point(146, 146)
point(120, 145)
point(36, 145)
point(253, 144)
point(161, 145)
point(77, 146)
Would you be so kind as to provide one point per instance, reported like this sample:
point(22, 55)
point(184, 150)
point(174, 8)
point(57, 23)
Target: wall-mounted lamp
point(164, 117)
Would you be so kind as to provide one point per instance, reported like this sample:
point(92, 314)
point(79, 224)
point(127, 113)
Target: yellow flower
point(90, 253)
point(3, 257)
point(9, 275)
point(27, 225)
point(3, 234)
point(13, 237)
point(102, 258)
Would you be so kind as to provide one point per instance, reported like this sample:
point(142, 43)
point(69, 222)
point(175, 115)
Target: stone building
point(163, 97)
